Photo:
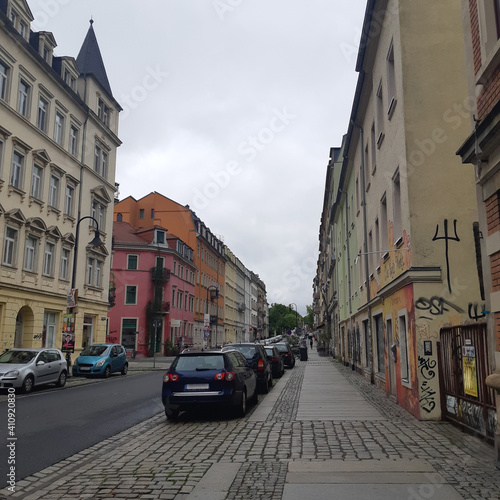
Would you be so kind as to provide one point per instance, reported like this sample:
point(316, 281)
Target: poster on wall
point(469, 370)
point(68, 333)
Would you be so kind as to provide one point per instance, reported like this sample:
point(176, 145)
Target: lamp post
point(96, 242)
point(214, 295)
point(296, 318)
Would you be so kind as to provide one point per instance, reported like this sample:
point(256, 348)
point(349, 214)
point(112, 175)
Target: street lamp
point(96, 242)
point(214, 295)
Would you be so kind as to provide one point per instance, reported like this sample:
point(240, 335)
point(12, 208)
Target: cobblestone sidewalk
point(159, 459)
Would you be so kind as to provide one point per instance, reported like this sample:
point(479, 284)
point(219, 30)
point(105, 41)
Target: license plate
point(84, 369)
point(196, 387)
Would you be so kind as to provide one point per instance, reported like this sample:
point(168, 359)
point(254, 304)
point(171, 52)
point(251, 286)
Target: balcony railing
point(160, 274)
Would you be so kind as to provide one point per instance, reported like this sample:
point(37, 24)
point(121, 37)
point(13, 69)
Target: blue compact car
point(101, 360)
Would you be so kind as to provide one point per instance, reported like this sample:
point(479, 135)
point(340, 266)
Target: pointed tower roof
point(90, 61)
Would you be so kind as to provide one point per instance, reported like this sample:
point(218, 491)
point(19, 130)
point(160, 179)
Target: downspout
point(349, 275)
point(365, 248)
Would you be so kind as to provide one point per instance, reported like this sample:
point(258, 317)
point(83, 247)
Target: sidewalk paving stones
point(323, 432)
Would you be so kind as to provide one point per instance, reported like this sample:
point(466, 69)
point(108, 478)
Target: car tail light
point(228, 376)
point(260, 365)
point(275, 360)
point(170, 377)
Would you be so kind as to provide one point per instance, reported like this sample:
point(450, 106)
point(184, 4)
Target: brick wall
point(492, 206)
point(490, 94)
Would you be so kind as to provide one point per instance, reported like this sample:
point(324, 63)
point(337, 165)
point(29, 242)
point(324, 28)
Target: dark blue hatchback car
point(201, 379)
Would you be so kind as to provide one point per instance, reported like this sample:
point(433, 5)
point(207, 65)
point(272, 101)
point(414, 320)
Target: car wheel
point(270, 381)
point(172, 414)
point(265, 386)
point(28, 383)
point(241, 410)
point(125, 369)
point(107, 371)
point(61, 381)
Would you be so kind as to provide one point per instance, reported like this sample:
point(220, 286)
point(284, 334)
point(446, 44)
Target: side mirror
point(40, 363)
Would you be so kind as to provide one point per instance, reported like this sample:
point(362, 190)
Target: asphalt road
point(51, 425)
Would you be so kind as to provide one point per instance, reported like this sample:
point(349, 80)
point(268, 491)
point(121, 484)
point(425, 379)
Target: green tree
point(282, 318)
point(309, 317)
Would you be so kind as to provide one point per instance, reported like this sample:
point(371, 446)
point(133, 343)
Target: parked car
point(286, 351)
point(201, 379)
point(101, 360)
point(256, 356)
point(27, 368)
point(276, 360)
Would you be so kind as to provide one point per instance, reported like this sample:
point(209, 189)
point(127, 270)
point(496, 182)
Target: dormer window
point(159, 237)
point(103, 111)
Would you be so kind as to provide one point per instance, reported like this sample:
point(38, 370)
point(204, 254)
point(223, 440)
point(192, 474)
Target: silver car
point(26, 368)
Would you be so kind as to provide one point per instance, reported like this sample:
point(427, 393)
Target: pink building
point(152, 279)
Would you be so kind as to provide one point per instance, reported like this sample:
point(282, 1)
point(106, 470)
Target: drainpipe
point(365, 248)
point(349, 275)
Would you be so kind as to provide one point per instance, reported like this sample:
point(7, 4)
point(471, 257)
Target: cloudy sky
point(231, 107)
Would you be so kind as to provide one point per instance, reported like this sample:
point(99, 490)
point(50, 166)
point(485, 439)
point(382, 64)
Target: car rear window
point(282, 348)
point(201, 362)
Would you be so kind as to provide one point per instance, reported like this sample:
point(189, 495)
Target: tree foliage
point(282, 318)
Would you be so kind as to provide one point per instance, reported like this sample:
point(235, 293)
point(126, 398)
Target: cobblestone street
point(274, 454)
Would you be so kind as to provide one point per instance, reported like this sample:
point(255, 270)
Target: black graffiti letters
point(435, 306)
point(446, 237)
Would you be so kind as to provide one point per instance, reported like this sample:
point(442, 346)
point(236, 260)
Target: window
point(141, 213)
point(30, 254)
point(132, 261)
point(103, 111)
point(36, 182)
point(43, 114)
point(373, 149)
point(380, 116)
point(159, 237)
point(131, 295)
point(17, 171)
point(379, 330)
point(65, 264)
point(54, 191)
point(49, 259)
point(2, 147)
point(94, 272)
point(396, 206)
point(10, 246)
point(98, 212)
point(4, 74)
point(22, 29)
point(49, 329)
point(152, 213)
point(403, 349)
point(391, 81)
point(59, 128)
point(68, 200)
point(383, 223)
point(70, 80)
point(100, 161)
point(73, 140)
point(23, 98)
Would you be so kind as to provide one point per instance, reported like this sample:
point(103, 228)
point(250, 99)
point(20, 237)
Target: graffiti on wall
point(426, 366)
point(435, 306)
point(447, 238)
point(476, 314)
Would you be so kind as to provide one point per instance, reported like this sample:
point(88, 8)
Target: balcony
point(160, 274)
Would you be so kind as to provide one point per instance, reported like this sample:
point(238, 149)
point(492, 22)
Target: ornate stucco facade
point(58, 141)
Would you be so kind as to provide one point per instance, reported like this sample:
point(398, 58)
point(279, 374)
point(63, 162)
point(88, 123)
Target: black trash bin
point(303, 353)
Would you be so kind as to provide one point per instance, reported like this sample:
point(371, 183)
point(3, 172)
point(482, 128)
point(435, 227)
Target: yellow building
point(58, 141)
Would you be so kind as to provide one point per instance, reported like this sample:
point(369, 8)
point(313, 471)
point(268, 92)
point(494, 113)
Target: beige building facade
point(58, 141)
point(410, 207)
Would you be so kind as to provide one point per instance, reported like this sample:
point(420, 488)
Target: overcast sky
point(231, 107)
